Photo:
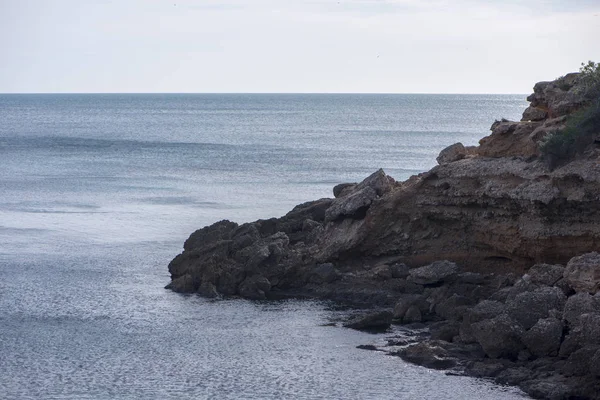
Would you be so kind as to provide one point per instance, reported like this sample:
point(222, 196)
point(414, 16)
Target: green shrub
point(580, 131)
point(590, 79)
point(582, 126)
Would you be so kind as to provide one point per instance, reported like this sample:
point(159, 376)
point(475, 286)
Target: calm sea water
point(98, 193)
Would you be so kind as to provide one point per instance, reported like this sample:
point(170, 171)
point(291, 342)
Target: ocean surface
point(99, 192)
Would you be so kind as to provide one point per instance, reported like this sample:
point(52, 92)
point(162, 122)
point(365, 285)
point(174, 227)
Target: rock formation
point(446, 248)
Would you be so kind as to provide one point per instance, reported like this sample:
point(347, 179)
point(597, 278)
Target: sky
point(292, 46)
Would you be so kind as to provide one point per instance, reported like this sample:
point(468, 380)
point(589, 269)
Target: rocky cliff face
point(495, 207)
point(471, 248)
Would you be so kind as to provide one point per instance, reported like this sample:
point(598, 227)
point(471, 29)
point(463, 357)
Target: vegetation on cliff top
point(581, 127)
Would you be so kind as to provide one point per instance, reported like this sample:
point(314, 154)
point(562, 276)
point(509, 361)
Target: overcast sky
point(345, 46)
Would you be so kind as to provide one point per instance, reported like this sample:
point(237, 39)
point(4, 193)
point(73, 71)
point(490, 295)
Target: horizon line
point(267, 93)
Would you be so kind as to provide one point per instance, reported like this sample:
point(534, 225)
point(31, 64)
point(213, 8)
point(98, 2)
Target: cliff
point(495, 207)
point(475, 249)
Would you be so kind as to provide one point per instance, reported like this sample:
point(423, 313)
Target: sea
point(99, 191)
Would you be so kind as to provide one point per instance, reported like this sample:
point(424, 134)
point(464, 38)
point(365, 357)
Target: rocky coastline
point(491, 255)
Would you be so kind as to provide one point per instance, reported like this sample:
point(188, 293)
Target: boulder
point(543, 339)
point(434, 273)
point(546, 274)
point(578, 304)
point(499, 336)
point(375, 321)
point(452, 153)
point(487, 309)
point(528, 307)
point(453, 308)
point(583, 273)
point(590, 329)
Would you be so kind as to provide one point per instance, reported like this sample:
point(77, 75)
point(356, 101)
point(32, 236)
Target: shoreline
point(475, 249)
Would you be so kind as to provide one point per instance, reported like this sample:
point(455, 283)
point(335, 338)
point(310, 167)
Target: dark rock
point(595, 364)
point(590, 328)
point(404, 303)
point(413, 314)
point(367, 347)
point(453, 308)
point(182, 284)
point(433, 273)
point(571, 343)
point(528, 307)
point(550, 389)
point(342, 189)
point(546, 274)
point(445, 331)
point(428, 354)
point(583, 273)
point(578, 304)
point(499, 337)
point(473, 278)
point(486, 368)
point(353, 204)
point(487, 309)
point(399, 270)
point(324, 273)
point(255, 288)
point(375, 321)
point(578, 363)
point(452, 153)
point(543, 339)
point(216, 232)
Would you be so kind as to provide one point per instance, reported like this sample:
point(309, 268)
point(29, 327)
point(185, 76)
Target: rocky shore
point(491, 253)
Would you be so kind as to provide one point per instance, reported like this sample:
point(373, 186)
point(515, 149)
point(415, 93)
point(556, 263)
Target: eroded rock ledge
point(491, 212)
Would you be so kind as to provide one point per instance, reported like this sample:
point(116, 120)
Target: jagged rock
point(583, 273)
point(528, 307)
point(433, 273)
point(352, 204)
point(546, 274)
point(452, 153)
point(578, 304)
point(343, 189)
point(499, 336)
point(376, 321)
point(543, 339)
